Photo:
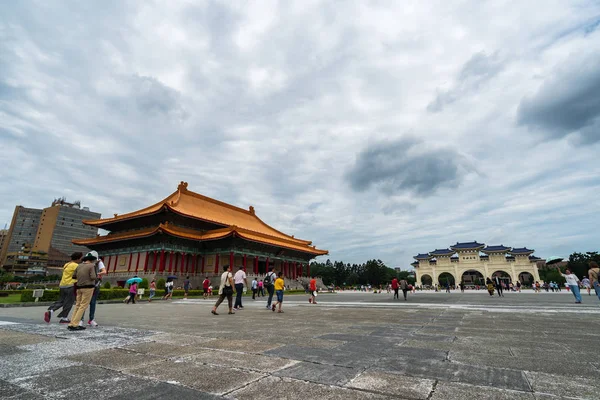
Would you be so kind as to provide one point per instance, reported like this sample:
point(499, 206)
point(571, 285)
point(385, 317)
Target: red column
point(146, 262)
point(256, 265)
point(182, 263)
point(170, 261)
point(129, 265)
point(193, 266)
point(244, 263)
point(116, 261)
point(202, 261)
point(161, 266)
point(231, 260)
point(267, 265)
point(216, 263)
point(155, 258)
point(137, 262)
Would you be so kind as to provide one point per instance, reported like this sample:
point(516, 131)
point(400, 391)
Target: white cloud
point(271, 103)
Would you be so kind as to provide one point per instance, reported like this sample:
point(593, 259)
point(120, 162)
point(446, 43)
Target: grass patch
point(12, 298)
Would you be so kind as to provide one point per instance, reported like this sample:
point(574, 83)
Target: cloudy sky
point(377, 129)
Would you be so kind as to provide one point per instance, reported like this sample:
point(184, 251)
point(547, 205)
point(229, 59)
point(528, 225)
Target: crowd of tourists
point(80, 285)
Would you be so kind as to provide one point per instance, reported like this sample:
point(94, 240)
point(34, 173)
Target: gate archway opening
point(503, 275)
point(426, 280)
point(446, 277)
point(473, 278)
point(526, 278)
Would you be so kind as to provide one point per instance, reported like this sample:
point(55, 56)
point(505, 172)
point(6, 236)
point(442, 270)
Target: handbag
point(227, 290)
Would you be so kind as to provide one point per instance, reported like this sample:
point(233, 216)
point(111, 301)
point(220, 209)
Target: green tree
point(144, 284)
point(579, 262)
point(106, 285)
point(160, 284)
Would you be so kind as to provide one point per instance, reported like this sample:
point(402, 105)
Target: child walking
point(279, 287)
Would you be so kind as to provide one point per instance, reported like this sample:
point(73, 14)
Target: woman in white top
point(573, 283)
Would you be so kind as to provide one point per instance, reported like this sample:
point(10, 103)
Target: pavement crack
point(435, 383)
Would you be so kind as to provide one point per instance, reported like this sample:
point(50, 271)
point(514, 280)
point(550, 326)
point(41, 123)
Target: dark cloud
point(408, 164)
point(568, 102)
point(479, 69)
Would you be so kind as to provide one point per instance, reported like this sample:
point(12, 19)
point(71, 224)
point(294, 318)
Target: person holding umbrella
point(133, 284)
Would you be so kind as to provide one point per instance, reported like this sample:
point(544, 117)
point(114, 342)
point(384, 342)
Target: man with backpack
point(268, 284)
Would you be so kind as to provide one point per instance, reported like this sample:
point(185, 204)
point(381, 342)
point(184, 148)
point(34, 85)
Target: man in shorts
point(279, 288)
point(186, 287)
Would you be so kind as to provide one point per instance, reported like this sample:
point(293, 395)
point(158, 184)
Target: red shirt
point(205, 284)
point(313, 285)
point(395, 283)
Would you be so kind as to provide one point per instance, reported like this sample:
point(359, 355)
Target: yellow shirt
point(67, 276)
point(279, 283)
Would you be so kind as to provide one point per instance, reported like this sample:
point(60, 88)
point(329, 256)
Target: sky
point(376, 129)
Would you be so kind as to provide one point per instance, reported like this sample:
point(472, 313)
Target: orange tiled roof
point(202, 236)
point(204, 208)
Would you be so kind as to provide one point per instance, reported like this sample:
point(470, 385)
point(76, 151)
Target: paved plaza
point(349, 346)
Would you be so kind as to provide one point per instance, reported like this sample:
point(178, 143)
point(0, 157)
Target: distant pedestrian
point(85, 273)
point(225, 290)
point(312, 288)
point(152, 290)
point(168, 289)
point(186, 287)
point(587, 285)
point(254, 286)
point(132, 293)
point(205, 285)
point(395, 288)
point(100, 272)
point(498, 285)
point(447, 287)
point(261, 289)
point(519, 286)
point(537, 287)
point(279, 287)
point(239, 280)
point(404, 286)
point(572, 283)
point(594, 275)
point(462, 287)
point(268, 284)
point(66, 290)
point(490, 286)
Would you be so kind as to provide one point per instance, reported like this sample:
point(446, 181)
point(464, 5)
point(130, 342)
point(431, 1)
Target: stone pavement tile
point(256, 362)
point(291, 389)
point(206, 378)
point(162, 390)
point(316, 343)
point(172, 338)
point(12, 338)
point(567, 386)
point(28, 396)
point(459, 391)
point(117, 359)
point(326, 356)
point(319, 373)
point(396, 385)
point(162, 349)
point(247, 346)
point(7, 350)
point(7, 389)
point(452, 372)
point(432, 337)
point(95, 382)
point(22, 365)
point(549, 365)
